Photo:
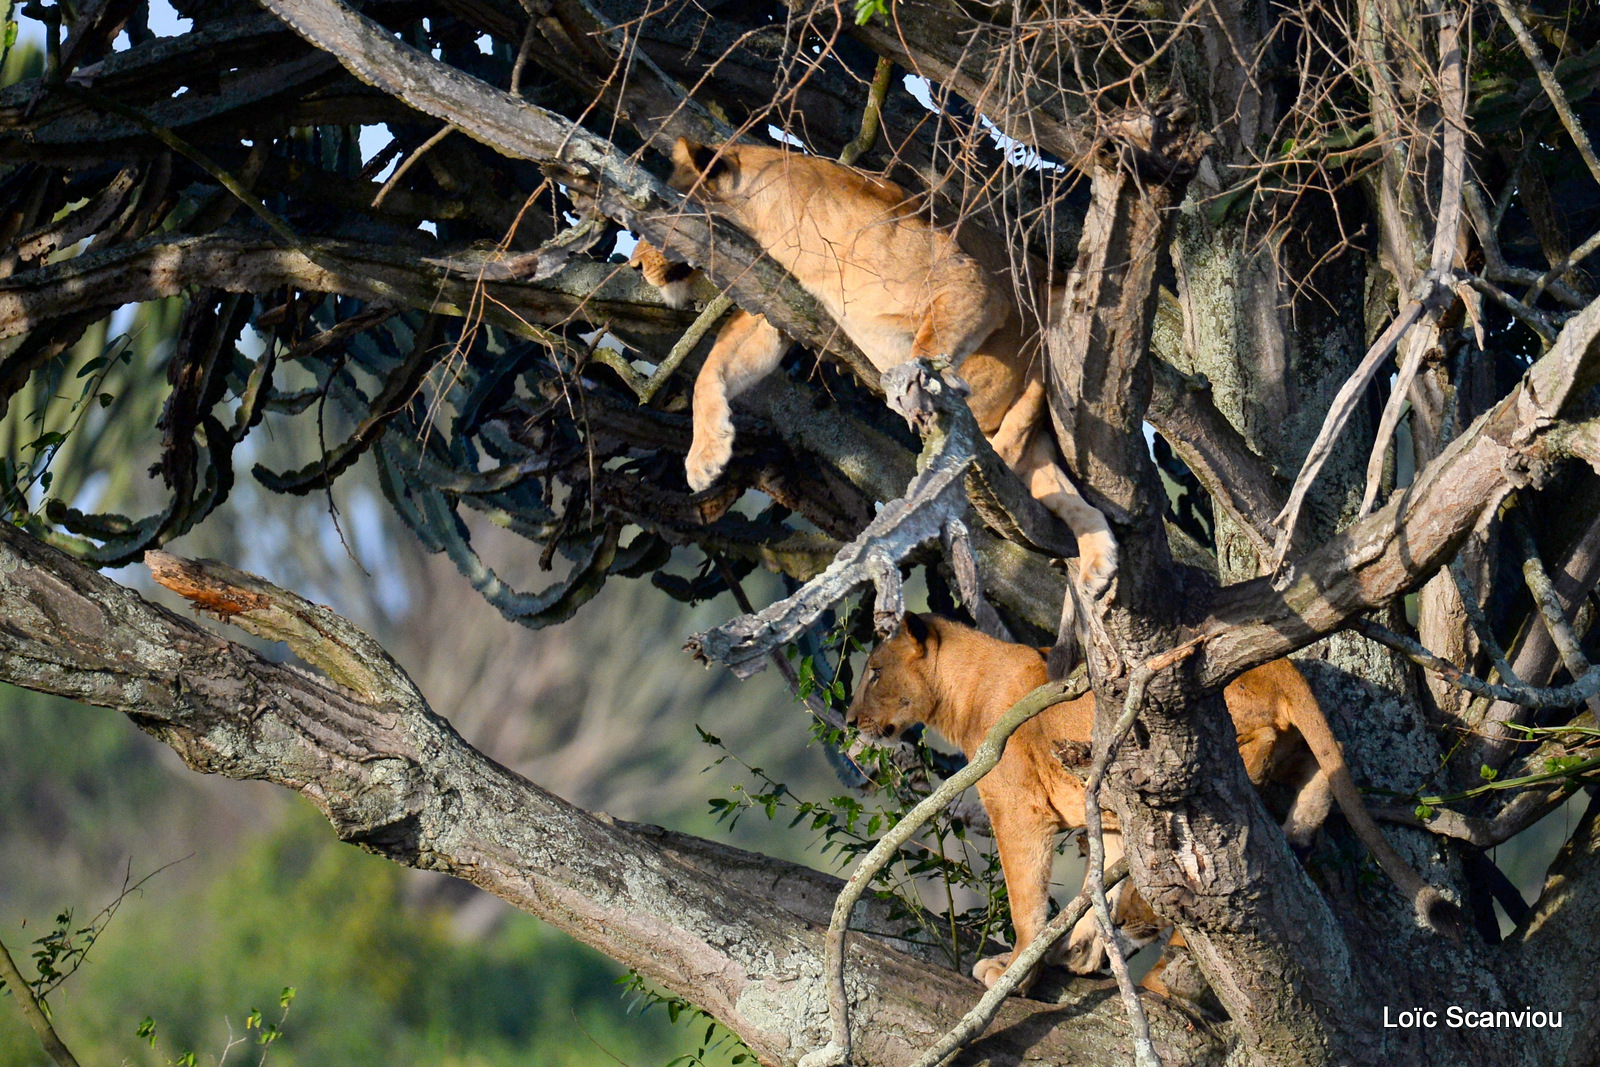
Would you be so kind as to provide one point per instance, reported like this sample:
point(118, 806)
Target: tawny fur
point(900, 289)
point(959, 682)
point(673, 279)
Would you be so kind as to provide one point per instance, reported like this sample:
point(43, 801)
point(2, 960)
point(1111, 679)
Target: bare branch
point(1453, 98)
point(976, 1021)
point(955, 453)
point(1240, 481)
point(1552, 87)
point(1566, 696)
point(1094, 877)
point(1401, 545)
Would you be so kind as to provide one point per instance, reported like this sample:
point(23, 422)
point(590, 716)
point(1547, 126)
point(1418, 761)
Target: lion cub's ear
point(700, 163)
point(916, 628)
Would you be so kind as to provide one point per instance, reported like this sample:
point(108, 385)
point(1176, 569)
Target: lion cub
point(960, 681)
point(899, 288)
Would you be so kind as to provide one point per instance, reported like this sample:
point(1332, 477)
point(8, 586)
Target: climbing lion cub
point(960, 681)
point(899, 288)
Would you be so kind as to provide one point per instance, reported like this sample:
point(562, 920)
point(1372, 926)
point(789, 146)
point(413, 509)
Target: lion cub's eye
point(873, 673)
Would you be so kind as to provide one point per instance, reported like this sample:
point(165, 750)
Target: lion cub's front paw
point(707, 459)
point(1097, 562)
point(989, 971)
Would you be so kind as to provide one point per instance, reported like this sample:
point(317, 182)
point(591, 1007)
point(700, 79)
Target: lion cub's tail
point(1432, 908)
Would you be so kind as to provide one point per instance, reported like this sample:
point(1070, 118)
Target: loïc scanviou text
point(1456, 1016)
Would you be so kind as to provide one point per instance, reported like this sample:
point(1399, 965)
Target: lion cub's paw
point(1097, 561)
point(707, 459)
point(1085, 953)
point(989, 971)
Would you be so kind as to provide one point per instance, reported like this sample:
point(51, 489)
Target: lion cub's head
point(896, 689)
point(711, 170)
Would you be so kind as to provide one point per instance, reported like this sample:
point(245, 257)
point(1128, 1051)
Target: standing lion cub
point(899, 288)
point(960, 681)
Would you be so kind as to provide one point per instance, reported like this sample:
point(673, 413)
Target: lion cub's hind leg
point(747, 350)
point(1050, 486)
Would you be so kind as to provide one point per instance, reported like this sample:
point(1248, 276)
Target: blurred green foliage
point(382, 978)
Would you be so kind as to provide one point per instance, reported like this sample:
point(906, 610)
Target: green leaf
point(253, 1019)
point(1424, 811)
point(106, 399)
point(1488, 773)
point(147, 1029)
point(867, 9)
point(286, 997)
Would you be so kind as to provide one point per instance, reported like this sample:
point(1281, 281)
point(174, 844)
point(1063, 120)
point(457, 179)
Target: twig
point(1480, 622)
point(1577, 255)
point(31, 1011)
point(1550, 610)
point(1528, 696)
point(976, 1021)
point(1344, 404)
point(871, 115)
point(1552, 87)
point(988, 754)
point(405, 164)
point(1537, 321)
point(1094, 883)
point(1446, 226)
point(685, 344)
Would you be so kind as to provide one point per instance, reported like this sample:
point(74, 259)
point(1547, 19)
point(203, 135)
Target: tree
point(1333, 253)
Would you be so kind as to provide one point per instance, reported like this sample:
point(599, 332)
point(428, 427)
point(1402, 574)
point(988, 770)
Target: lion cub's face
point(710, 171)
point(896, 689)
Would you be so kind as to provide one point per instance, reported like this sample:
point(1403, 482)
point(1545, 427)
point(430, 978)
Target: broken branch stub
point(935, 497)
point(955, 455)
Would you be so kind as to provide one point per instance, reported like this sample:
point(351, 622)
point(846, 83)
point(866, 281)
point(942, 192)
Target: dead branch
point(1583, 689)
point(1453, 98)
point(1401, 545)
point(1094, 877)
point(954, 454)
point(1552, 87)
point(1237, 479)
point(163, 265)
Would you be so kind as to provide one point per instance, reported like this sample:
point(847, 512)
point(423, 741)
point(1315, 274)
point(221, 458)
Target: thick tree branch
point(932, 507)
point(622, 189)
point(1239, 481)
point(164, 265)
point(1397, 548)
point(394, 778)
